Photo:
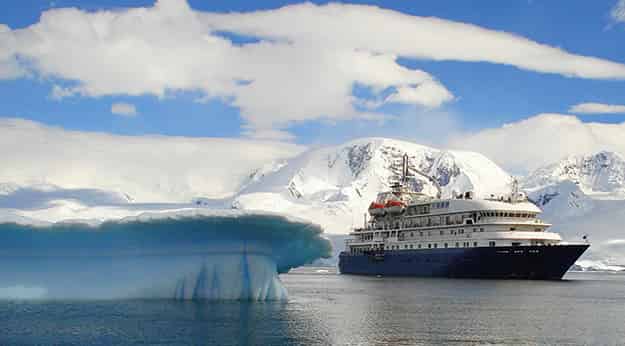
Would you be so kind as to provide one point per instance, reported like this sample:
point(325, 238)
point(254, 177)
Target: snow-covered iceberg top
point(154, 214)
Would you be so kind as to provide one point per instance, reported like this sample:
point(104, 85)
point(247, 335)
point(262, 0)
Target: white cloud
point(148, 168)
point(59, 92)
point(528, 144)
point(124, 109)
point(390, 32)
point(597, 108)
point(429, 94)
point(304, 66)
point(9, 66)
point(618, 11)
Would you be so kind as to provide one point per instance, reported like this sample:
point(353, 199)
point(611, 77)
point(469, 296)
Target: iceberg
point(182, 254)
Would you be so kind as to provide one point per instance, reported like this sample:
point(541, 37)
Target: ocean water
point(329, 309)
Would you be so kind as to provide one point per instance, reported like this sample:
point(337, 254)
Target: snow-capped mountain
point(585, 195)
point(333, 186)
point(575, 214)
point(601, 175)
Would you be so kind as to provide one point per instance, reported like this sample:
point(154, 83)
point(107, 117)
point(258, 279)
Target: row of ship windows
point(452, 232)
point(506, 214)
point(402, 235)
point(457, 219)
point(419, 246)
point(433, 245)
point(423, 222)
point(450, 219)
point(425, 208)
point(440, 205)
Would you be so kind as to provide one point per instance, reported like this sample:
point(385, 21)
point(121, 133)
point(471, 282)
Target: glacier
point(190, 254)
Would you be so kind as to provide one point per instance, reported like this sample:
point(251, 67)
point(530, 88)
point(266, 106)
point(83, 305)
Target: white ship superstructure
point(460, 222)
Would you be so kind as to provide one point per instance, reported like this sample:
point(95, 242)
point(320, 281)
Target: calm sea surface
point(329, 309)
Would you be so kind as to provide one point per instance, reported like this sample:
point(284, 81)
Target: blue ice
point(189, 255)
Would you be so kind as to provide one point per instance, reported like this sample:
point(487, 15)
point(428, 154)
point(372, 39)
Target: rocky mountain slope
point(334, 186)
point(585, 195)
point(601, 175)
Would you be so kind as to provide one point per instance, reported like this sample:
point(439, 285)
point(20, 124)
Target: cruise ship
point(413, 234)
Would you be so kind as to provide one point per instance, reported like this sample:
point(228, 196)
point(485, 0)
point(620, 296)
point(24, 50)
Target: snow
point(483, 176)
point(589, 265)
point(574, 216)
point(601, 175)
point(583, 196)
point(334, 185)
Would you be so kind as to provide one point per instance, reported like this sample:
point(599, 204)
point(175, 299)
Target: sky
point(524, 82)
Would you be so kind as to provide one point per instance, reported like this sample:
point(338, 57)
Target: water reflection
point(248, 323)
point(341, 310)
point(410, 311)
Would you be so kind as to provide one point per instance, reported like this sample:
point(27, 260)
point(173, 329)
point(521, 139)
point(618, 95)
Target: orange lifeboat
point(376, 209)
point(394, 207)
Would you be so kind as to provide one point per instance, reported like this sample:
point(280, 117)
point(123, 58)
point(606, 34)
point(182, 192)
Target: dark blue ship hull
point(519, 262)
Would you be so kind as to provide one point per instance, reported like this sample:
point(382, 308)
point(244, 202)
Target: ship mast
point(404, 169)
point(515, 190)
point(405, 173)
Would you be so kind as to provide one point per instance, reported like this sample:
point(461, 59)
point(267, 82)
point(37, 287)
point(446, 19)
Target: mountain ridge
point(332, 185)
point(601, 175)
